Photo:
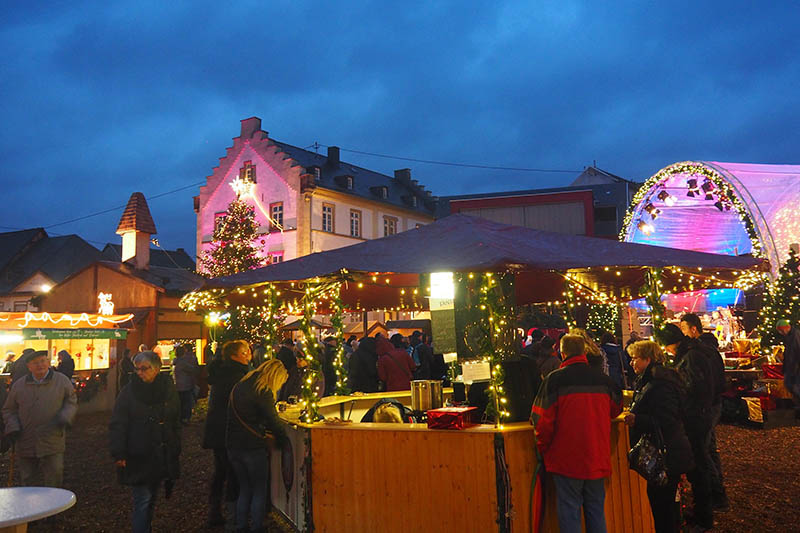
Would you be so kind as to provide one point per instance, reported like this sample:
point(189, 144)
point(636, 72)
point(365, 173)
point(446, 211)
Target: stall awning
point(461, 243)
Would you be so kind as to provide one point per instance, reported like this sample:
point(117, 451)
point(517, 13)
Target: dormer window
point(384, 193)
point(414, 201)
point(348, 182)
point(314, 171)
point(381, 191)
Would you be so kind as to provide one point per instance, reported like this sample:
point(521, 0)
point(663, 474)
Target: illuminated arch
point(729, 208)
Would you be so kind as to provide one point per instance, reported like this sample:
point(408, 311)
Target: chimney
point(403, 175)
point(333, 156)
point(249, 127)
point(136, 226)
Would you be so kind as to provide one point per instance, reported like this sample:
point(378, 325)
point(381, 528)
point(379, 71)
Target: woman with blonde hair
point(656, 410)
point(253, 423)
point(594, 354)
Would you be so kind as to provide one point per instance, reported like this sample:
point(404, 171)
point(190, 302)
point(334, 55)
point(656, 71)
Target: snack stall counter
point(351, 476)
point(92, 340)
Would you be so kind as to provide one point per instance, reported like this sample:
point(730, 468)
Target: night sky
point(98, 102)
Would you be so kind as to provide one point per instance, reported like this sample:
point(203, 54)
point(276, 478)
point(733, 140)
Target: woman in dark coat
point(364, 367)
point(145, 438)
point(658, 404)
point(253, 424)
point(223, 374)
point(618, 360)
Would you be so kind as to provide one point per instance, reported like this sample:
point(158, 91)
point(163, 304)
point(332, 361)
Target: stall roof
point(461, 243)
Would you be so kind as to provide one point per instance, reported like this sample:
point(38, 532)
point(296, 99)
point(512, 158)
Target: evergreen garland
point(652, 292)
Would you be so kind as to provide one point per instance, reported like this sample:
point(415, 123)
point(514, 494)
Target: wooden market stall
point(363, 476)
point(406, 477)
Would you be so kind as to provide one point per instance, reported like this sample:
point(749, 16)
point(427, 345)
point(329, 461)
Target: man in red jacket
point(572, 416)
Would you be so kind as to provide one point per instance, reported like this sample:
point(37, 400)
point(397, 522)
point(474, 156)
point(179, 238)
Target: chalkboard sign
point(443, 329)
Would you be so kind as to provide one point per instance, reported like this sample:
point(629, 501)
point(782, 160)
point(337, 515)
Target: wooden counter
point(393, 477)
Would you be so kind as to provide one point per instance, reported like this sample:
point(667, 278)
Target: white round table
point(20, 505)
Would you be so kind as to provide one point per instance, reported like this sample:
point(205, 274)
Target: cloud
point(103, 100)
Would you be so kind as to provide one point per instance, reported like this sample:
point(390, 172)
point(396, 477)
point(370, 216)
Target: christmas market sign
point(80, 333)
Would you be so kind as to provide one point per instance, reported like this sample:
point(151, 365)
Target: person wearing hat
point(20, 367)
point(692, 364)
point(791, 358)
point(39, 408)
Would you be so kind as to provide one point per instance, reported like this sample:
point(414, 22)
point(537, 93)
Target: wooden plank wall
point(381, 479)
point(403, 481)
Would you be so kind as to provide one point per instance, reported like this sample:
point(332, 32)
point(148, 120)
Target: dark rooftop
point(158, 257)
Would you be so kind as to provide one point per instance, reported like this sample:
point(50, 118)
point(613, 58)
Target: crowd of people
point(579, 383)
point(677, 405)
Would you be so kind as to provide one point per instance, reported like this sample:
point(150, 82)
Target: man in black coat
point(223, 374)
point(791, 358)
point(693, 328)
point(422, 355)
point(692, 364)
point(364, 367)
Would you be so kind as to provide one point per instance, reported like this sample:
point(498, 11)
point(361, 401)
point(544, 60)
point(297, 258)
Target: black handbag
point(648, 458)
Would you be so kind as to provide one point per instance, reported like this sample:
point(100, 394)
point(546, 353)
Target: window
point(389, 226)
point(349, 182)
point(248, 172)
point(275, 257)
point(605, 214)
point(327, 218)
point(384, 192)
point(276, 214)
point(219, 219)
point(355, 223)
point(20, 306)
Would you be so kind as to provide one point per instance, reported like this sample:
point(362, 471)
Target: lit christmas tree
point(781, 300)
point(233, 248)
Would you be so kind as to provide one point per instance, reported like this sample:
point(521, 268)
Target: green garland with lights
point(602, 317)
point(569, 304)
point(497, 332)
point(310, 348)
point(781, 300)
point(723, 190)
point(337, 321)
point(652, 291)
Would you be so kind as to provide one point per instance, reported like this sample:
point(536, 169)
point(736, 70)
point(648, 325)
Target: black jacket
point(694, 367)
point(126, 372)
point(222, 376)
point(294, 383)
point(328, 369)
point(425, 356)
point(145, 430)
point(791, 353)
point(717, 368)
point(255, 410)
point(66, 367)
point(619, 365)
point(658, 403)
point(364, 367)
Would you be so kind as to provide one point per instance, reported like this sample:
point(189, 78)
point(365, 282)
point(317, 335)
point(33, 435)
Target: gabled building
point(305, 202)
point(138, 286)
point(594, 204)
point(31, 262)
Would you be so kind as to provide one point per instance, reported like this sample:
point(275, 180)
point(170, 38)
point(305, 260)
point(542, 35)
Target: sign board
point(78, 333)
point(476, 371)
point(443, 329)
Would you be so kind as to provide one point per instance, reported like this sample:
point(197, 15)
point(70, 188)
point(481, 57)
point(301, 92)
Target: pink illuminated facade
point(306, 202)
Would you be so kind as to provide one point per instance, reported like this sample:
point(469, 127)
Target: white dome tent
point(724, 208)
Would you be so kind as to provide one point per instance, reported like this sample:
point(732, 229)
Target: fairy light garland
point(602, 317)
point(337, 321)
point(309, 349)
point(653, 290)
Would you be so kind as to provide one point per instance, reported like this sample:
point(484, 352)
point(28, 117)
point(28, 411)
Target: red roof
point(136, 216)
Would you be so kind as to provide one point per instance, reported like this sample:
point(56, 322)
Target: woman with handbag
point(253, 424)
point(145, 436)
point(657, 416)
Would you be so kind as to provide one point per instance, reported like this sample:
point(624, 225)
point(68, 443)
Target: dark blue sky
point(99, 101)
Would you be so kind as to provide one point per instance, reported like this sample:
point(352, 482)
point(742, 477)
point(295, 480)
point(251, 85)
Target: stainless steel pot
point(426, 394)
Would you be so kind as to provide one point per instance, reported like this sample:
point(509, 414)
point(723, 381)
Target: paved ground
point(761, 466)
